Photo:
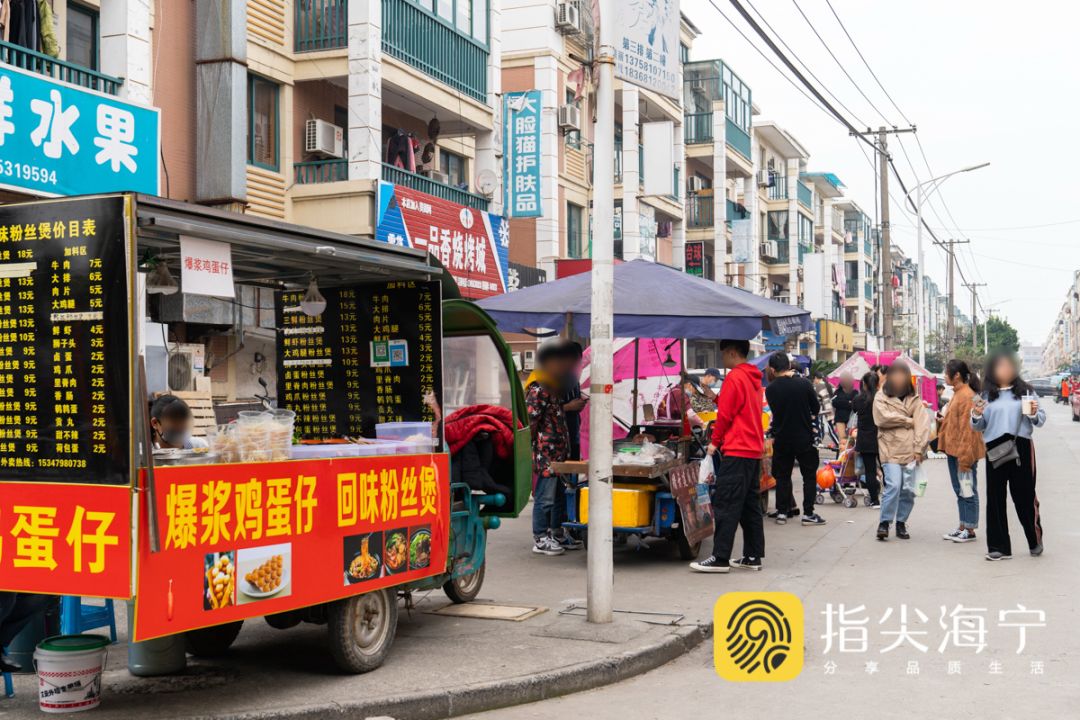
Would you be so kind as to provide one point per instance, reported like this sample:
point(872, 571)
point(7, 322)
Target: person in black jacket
point(866, 436)
point(841, 402)
point(794, 404)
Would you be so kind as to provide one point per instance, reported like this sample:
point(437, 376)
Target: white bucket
point(69, 672)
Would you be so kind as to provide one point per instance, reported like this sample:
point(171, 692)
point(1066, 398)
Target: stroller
point(850, 477)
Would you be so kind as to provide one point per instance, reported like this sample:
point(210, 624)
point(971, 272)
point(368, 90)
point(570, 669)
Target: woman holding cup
point(1006, 414)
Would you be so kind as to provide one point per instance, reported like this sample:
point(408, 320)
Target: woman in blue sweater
point(999, 414)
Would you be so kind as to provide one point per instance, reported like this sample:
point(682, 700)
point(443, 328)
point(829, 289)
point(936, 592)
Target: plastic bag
point(705, 471)
point(920, 478)
point(966, 478)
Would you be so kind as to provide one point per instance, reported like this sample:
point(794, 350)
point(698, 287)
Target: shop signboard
point(247, 540)
point(521, 169)
point(523, 276)
point(695, 258)
point(471, 244)
point(62, 139)
point(370, 357)
point(206, 267)
point(647, 45)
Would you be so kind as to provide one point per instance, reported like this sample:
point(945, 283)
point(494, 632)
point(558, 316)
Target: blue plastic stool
point(76, 618)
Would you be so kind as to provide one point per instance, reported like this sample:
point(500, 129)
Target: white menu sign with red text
point(206, 267)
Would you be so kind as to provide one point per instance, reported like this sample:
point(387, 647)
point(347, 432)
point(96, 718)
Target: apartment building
point(860, 273)
point(1061, 351)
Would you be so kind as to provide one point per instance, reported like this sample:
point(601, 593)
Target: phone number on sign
point(23, 171)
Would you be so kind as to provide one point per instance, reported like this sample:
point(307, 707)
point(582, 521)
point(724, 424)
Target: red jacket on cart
point(737, 431)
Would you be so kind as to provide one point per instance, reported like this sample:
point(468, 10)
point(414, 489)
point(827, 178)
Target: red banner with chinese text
point(247, 540)
point(58, 536)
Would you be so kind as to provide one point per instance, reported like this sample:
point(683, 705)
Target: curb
point(495, 694)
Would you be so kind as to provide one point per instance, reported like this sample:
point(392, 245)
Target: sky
point(983, 82)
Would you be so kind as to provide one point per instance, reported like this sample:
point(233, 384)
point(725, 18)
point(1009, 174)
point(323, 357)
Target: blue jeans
point(899, 496)
point(549, 505)
point(968, 507)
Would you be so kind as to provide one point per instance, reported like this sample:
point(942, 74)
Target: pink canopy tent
point(652, 353)
point(860, 363)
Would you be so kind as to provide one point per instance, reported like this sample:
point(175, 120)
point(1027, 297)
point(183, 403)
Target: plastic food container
point(410, 432)
point(330, 450)
point(377, 447)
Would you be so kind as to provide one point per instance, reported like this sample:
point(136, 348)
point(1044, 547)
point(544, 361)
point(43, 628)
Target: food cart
point(319, 505)
point(651, 301)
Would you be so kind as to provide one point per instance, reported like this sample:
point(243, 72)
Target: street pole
point(919, 279)
point(973, 287)
point(600, 568)
point(950, 248)
point(886, 241)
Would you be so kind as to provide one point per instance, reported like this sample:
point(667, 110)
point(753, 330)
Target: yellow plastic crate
point(631, 505)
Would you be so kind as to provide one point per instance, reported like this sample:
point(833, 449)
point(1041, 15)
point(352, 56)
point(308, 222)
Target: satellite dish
point(487, 182)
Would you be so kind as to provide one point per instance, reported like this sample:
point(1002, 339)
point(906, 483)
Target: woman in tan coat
point(964, 447)
point(903, 434)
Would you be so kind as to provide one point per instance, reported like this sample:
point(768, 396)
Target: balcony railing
point(435, 47)
point(868, 290)
point(806, 195)
point(697, 128)
point(399, 176)
point(699, 211)
point(320, 171)
point(738, 139)
point(782, 253)
point(778, 189)
point(619, 163)
point(321, 25)
point(36, 62)
point(852, 288)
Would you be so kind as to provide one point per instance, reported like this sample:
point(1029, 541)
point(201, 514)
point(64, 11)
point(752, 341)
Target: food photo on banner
point(471, 244)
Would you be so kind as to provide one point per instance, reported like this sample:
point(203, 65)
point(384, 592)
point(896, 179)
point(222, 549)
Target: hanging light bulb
point(159, 281)
point(313, 303)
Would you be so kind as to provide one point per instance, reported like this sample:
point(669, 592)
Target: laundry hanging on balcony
point(401, 150)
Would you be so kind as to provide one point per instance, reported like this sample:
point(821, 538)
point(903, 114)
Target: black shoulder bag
point(1003, 449)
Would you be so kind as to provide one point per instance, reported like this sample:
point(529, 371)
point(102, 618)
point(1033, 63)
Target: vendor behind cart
point(170, 419)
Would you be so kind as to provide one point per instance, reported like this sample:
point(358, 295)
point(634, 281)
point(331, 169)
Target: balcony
point(868, 290)
point(321, 25)
point(399, 176)
point(782, 253)
point(320, 171)
point(804, 250)
point(852, 289)
point(806, 195)
point(738, 139)
point(619, 163)
point(35, 62)
point(435, 47)
point(699, 211)
point(778, 189)
point(697, 129)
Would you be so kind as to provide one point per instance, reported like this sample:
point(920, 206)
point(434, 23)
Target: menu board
point(369, 357)
point(65, 380)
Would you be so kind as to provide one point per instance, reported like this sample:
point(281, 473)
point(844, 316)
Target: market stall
point(860, 363)
point(318, 504)
point(650, 301)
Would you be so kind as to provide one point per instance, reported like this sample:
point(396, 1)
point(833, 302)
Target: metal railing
point(699, 211)
point(782, 253)
point(868, 290)
point(435, 47)
point(320, 25)
point(806, 195)
point(320, 171)
point(26, 59)
point(697, 128)
point(738, 139)
point(400, 176)
point(778, 189)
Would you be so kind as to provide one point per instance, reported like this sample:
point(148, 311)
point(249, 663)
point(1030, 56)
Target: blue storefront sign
point(522, 156)
point(60, 139)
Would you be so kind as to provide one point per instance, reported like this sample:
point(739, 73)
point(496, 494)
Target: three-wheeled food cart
point(319, 505)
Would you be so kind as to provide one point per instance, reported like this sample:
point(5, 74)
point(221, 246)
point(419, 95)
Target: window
point(262, 122)
point(806, 230)
point(470, 17)
point(684, 53)
point(573, 230)
point(453, 166)
point(82, 36)
point(778, 224)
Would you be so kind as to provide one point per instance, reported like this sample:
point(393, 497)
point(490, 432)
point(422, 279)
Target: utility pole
point(886, 241)
point(950, 332)
point(973, 287)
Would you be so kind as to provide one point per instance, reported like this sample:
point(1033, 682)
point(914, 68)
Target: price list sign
point(370, 357)
point(65, 381)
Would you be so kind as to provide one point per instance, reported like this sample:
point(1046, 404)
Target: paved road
point(843, 563)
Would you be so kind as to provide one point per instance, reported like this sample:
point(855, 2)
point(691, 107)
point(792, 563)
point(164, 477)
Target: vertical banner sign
point(206, 267)
point(368, 358)
point(473, 245)
point(522, 157)
point(61, 139)
point(246, 540)
point(742, 241)
point(695, 259)
point(647, 45)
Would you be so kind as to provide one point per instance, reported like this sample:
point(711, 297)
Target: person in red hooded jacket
point(737, 434)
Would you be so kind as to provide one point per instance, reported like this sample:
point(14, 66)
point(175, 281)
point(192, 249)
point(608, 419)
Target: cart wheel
point(283, 621)
point(465, 588)
point(212, 641)
point(837, 497)
point(819, 499)
point(362, 629)
point(850, 502)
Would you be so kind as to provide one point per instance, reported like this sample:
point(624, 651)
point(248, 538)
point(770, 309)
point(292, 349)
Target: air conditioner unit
point(765, 178)
point(695, 183)
point(568, 18)
point(698, 86)
point(570, 117)
point(186, 362)
point(528, 362)
point(324, 138)
point(439, 177)
point(770, 249)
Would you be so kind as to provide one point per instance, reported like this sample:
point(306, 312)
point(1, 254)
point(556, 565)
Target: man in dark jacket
point(737, 469)
point(794, 404)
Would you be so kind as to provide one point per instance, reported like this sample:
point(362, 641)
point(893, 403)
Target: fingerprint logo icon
point(758, 637)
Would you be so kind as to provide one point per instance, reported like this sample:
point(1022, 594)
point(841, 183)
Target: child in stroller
point(850, 477)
